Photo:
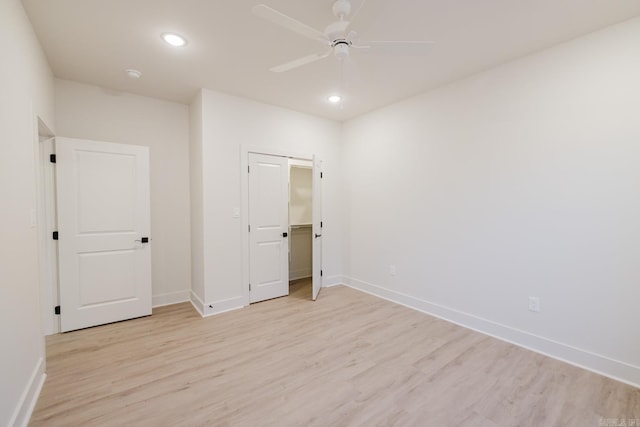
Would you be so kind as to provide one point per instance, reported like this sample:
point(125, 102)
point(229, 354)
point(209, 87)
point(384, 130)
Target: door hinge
point(249, 228)
point(320, 273)
point(248, 169)
point(320, 224)
point(55, 235)
point(56, 309)
point(52, 158)
point(320, 175)
point(249, 287)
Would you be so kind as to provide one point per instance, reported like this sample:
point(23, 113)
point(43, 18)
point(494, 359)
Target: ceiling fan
point(335, 37)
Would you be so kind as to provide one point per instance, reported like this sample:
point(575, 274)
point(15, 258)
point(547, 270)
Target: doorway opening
point(300, 228)
point(282, 223)
point(46, 220)
point(92, 211)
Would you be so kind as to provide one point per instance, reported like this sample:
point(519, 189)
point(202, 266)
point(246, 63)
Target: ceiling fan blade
point(353, 38)
point(300, 61)
point(354, 14)
point(394, 47)
point(289, 23)
point(336, 29)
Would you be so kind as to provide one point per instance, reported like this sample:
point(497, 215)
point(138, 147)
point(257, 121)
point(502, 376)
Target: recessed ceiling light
point(334, 99)
point(134, 74)
point(174, 39)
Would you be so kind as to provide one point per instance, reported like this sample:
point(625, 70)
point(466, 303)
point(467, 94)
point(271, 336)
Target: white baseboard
point(332, 281)
point(29, 396)
point(170, 298)
point(219, 307)
point(599, 364)
point(197, 303)
point(299, 274)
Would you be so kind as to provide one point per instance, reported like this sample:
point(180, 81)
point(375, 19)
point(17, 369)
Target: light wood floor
point(347, 359)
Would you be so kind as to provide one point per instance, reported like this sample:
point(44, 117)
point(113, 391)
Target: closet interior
point(300, 209)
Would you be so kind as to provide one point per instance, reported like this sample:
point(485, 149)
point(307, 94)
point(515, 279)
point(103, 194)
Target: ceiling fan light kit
point(341, 49)
point(335, 37)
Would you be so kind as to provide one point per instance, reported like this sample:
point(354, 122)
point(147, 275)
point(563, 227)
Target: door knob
point(285, 234)
point(318, 235)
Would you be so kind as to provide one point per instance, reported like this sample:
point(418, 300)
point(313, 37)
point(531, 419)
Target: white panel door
point(103, 216)
point(268, 227)
point(317, 228)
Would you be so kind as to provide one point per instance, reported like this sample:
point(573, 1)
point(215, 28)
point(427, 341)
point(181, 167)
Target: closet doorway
point(283, 234)
point(300, 228)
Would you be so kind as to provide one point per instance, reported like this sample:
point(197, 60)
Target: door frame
point(45, 224)
point(244, 202)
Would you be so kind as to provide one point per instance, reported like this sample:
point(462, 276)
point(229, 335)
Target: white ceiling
point(231, 50)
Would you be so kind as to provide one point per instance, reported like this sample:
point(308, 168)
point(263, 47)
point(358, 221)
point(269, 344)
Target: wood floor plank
point(347, 359)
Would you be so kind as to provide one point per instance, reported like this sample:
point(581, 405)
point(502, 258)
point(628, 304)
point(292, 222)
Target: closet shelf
point(300, 225)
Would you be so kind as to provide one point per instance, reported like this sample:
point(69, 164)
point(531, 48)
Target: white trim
point(29, 397)
point(46, 223)
point(197, 303)
point(333, 281)
point(170, 298)
point(599, 364)
point(247, 148)
point(219, 307)
point(244, 219)
point(299, 274)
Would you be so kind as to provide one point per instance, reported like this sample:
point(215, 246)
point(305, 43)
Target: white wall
point(520, 181)
point(300, 195)
point(196, 184)
point(91, 112)
point(300, 252)
point(228, 123)
point(26, 88)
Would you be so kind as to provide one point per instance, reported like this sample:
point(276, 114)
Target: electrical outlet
point(534, 304)
point(392, 270)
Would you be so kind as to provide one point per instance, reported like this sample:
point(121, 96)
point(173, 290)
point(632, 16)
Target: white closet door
point(317, 228)
point(103, 221)
point(269, 224)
